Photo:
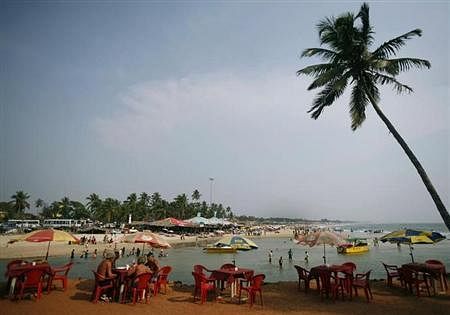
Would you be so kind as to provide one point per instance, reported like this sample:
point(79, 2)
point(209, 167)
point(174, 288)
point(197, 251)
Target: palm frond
point(326, 25)
point(332, 75)
point(327, 96)
point(366, 30)
point(358, 103)
point(392, 46)
point(370, 86)
point(321, 52)
point(315, 70)
point(384, 80)
point(395, 66)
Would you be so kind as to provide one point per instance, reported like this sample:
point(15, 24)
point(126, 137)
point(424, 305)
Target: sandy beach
point(31, 250)
point(278, 298)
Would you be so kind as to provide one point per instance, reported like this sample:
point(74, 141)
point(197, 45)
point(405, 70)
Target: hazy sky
point(120, 97)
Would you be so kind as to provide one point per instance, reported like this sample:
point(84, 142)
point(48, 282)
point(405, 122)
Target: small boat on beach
point(217, 249)
point(353, 246)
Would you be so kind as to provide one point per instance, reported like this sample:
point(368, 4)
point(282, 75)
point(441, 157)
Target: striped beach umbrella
point(146, 237)
point(47, 235)
point(411, 236)
point(320, 238)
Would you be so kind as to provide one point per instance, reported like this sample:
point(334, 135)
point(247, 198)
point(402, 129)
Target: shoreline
point(20, 250)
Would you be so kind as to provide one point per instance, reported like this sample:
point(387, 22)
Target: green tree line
point(142, 207)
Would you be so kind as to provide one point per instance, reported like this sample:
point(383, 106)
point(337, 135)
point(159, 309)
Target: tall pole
point(211, 180)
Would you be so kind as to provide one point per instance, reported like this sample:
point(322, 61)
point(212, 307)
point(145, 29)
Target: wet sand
point(278, 298)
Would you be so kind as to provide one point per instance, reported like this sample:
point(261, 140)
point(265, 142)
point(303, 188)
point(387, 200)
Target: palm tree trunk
point(434, 195)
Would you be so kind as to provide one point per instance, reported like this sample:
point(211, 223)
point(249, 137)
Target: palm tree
point(39, 203)
point(180, 203)
point(130, 205)
point(66, 209)
point(20, 202)
point(94, 204)
point(349, 61)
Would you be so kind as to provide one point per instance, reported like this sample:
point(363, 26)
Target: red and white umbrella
point(47, 235)
point(320, 238)
point(152, 239)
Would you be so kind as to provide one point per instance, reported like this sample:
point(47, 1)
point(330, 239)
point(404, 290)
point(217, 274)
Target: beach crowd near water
point(277, 254)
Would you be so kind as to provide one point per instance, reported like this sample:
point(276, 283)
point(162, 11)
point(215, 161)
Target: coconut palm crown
point(349, 62)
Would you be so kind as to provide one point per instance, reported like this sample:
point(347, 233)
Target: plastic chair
point(59, 274)
point(228, 266)
point(31, 279)
point(414, 279)
point(102, 285)
point(362, 281)
point(392, 273)
point(330, 284)
point(305, 276)
point(350, 265)
point(162, 278)
point(255, 285)
point(203, 285)
point(439, 263)
point(140, 286)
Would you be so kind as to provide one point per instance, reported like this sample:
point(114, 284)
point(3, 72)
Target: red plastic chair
point(201, 269)
point(346, 276)
point(330, 284)
point(255, 285)
point(31, 279)
point(227, 266)
point(202, 286)
point(59, 274)
point(391, 273)
point(439, 263)
point(414, 280)
point(161, 279)
point(350, 265)
point(362, 281)
point(102, 285)
point(140, 286)
point(305, 276)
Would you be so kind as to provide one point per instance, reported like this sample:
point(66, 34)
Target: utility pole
point(211, 180)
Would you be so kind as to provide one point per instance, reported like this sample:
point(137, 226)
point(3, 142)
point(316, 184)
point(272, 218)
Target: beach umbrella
point(411, 236)
point(320, 238)
point(47, 235)
point(146, 237)
point(237, 241)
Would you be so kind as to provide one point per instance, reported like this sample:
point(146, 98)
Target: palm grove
point(348, 61)
point(142, 207)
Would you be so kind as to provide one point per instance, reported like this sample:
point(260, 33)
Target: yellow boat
point(220, 249)
point(353, 246)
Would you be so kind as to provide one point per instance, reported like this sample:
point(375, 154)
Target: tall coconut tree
point(94, 205)
point(348, 61)
point(20, 203)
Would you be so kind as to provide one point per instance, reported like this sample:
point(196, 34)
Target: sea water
point(183, 259)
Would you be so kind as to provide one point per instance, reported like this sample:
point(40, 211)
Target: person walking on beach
point(290, 254)
point(270, 256)
point(280, 262)
point(72, 254)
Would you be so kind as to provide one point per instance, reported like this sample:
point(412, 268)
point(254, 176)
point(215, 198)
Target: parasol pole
point(324, 257)
point(411, 252)
point(48, 248)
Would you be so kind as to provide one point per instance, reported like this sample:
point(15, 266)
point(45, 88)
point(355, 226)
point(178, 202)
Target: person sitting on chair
point(140, 268)
point(104, 269)
point(152, 263)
